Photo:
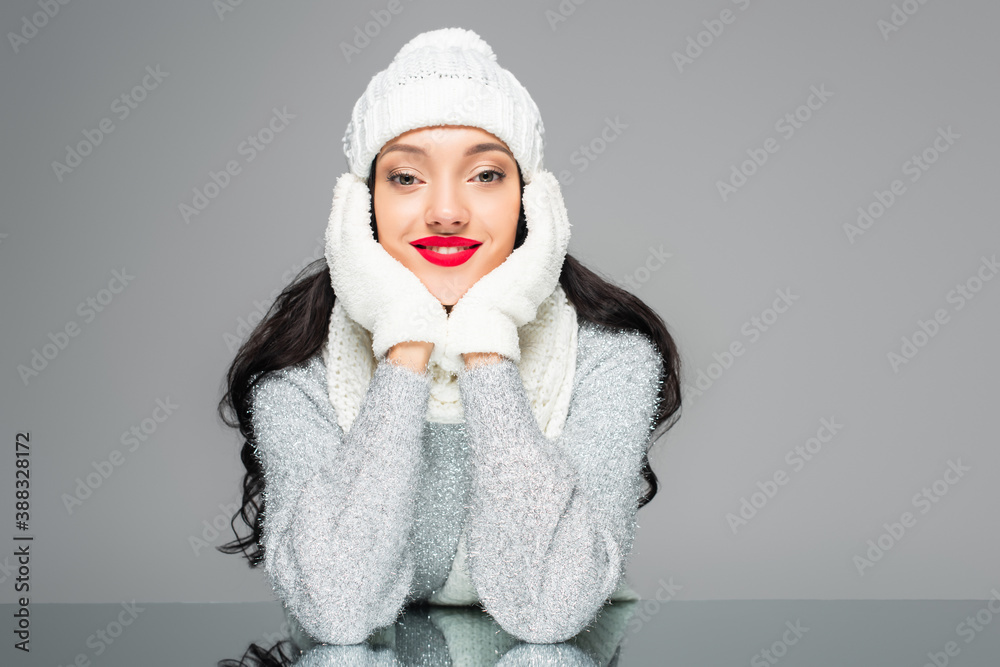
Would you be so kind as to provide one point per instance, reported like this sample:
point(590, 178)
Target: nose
point(446, 206)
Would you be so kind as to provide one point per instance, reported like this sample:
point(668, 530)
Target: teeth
point(448, 251)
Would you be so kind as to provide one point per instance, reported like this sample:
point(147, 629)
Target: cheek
point(390, 222)
point(503, 215)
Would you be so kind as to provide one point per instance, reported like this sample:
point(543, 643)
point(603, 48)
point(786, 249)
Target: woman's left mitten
point(488, 315)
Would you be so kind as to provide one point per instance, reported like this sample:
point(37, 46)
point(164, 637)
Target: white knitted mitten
point(487, 317)
point(377, 291)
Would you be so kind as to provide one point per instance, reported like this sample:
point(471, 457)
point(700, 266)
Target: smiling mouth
point(442, 250)
point(447, 256)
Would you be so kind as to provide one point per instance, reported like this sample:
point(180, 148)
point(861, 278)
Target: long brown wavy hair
point(296, 325)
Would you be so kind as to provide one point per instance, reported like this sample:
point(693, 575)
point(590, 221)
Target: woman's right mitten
point(377, 291)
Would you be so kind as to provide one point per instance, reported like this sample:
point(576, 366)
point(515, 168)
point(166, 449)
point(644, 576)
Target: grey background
point(165, 335)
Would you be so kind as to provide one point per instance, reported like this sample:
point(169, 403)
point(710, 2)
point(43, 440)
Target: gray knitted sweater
point(358, 524)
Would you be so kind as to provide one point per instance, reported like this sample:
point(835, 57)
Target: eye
point(401, 175)
point(496, 178)
point(404, 177)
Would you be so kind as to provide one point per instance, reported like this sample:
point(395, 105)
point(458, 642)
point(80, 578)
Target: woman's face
point(447, 184)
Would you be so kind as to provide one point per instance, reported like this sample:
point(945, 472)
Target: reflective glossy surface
point(647, 632)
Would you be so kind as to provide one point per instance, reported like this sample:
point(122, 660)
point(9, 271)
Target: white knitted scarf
point(548, 362)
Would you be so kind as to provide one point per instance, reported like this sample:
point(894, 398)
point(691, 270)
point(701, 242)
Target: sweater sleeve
point(552, 520)
point(339, 507)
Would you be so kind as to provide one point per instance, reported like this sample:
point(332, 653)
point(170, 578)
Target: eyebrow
point(473, 150)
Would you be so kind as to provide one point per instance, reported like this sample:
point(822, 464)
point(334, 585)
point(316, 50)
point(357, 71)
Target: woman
point(454, 411)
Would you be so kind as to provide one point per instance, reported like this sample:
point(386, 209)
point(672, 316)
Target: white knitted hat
point(445, 77)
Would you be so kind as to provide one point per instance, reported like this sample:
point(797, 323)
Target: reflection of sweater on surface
point(358, 524)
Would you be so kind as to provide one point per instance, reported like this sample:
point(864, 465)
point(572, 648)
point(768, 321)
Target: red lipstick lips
point(454, 258)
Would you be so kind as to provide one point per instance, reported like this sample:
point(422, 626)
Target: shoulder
point(301, 385)
point(600, 345)
point(617, 379)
